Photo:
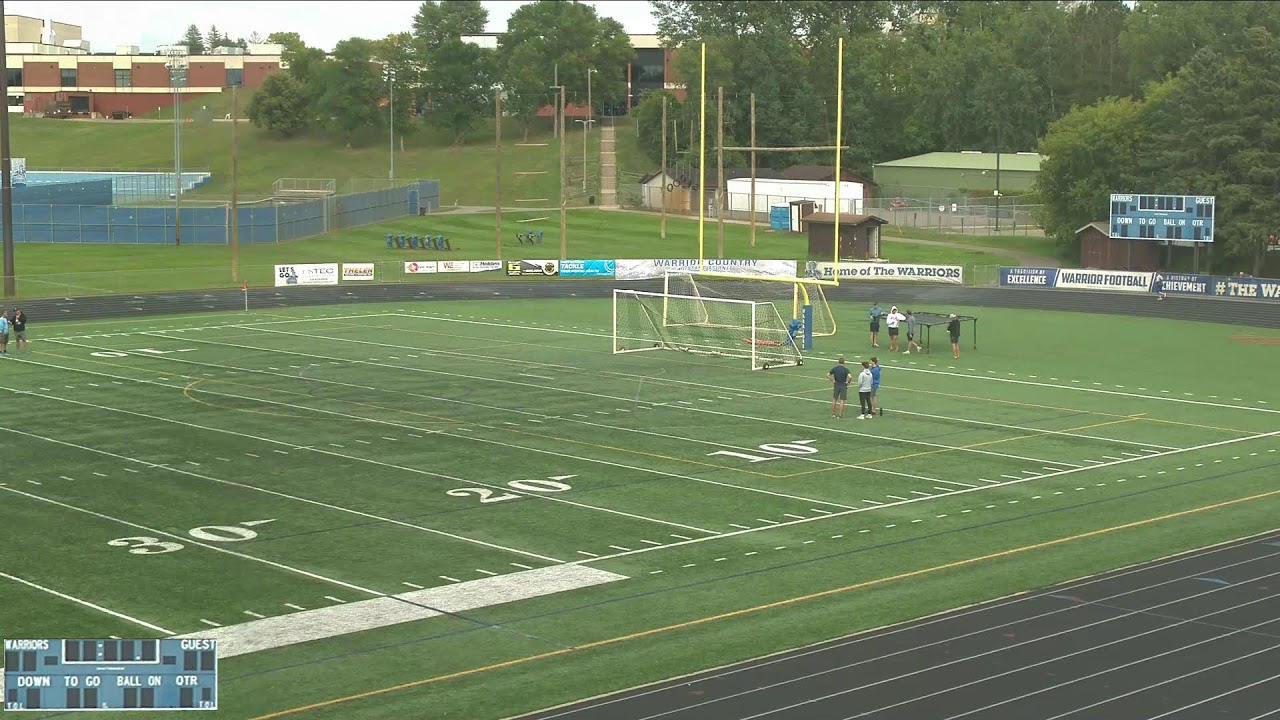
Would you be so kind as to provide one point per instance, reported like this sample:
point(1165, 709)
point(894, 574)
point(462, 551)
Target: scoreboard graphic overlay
point(1177, 218)
point(111, 674)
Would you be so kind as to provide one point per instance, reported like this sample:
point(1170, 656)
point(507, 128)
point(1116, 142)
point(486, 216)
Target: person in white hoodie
point(864, 391)
point(892, 320)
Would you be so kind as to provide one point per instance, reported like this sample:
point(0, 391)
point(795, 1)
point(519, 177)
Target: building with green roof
point(938, 175)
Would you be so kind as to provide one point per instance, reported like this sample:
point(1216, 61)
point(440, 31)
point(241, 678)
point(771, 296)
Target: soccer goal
point(789, 295)
point(718, 327)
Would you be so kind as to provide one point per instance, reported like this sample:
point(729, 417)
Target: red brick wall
point(207, 74)
point(41, 74)
point(95, 74)
point(256, 72)
point(150, 75)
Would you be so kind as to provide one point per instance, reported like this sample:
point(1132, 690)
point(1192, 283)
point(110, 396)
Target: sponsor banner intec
point(588, 268)
point(427, 267)
point(545, 268)
point(320, 274)
point(648, 269)
point(358, 271)
point(1104, 280)
point(454, 266)
point(950, 274)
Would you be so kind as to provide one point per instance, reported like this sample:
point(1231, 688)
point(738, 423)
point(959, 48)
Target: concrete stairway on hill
point(608, 167)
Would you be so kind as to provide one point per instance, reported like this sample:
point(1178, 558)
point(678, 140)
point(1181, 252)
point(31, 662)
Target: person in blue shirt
point(839, 377)
point(4, 332)
point(793, 329)
point(875, 386)
point(875, 314)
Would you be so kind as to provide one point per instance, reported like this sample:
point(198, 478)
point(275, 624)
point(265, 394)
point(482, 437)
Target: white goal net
point(720, 327)
point(788, 295)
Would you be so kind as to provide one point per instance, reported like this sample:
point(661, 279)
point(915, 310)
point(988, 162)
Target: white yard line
point(86, 603)
point(815, 428)
point(275, 493)
point(126, 333)
point(473, 438)
point(190, 541)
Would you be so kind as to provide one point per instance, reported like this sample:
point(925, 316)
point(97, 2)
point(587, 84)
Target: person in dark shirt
point(20, 330)
point(839, 377)
point(953, 328)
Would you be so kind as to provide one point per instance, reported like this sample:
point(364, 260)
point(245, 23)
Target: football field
point(475, 509)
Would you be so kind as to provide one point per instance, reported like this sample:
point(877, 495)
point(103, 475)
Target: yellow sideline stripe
point(768, 606)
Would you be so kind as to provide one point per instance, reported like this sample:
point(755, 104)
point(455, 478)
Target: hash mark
point(413, 585)
point(330, 597)
point(446, 577)
point(210, 623)
point(619, 547)
point(525, 567)
point(251, 613)
point(588, 554)
point(486, 572)
point(295, 607)
point(682, 537)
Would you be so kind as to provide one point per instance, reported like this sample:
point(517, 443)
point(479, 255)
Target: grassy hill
point(465, 173)
point(46, 270)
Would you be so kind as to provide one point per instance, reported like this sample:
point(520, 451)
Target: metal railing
point(307, 186)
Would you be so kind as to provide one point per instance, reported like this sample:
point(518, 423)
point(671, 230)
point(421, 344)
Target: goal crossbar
point(800, 299)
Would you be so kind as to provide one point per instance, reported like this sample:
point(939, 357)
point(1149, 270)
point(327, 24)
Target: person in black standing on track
point(20, 330)
point(953, 328)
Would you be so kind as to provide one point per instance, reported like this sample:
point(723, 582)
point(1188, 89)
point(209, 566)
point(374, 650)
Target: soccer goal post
point(718, 327)
point(794, 298)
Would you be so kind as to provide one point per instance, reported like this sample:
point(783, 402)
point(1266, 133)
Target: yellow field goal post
point(796, 299)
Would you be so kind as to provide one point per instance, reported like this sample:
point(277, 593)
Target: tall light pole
point(591, 112)
point(585, 124)
point(391, 147)
point(177, 65)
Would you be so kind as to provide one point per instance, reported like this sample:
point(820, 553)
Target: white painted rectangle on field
point(361, 272)
point(358, 616)
point(314, 274)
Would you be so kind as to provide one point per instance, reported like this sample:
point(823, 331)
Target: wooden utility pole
point(235, 187)
point(497, 170)
point(720, 194)
point(564, 235)
point(663, 195)
point(752, 205)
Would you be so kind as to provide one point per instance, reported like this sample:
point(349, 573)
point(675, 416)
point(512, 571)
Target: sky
point(321, 24)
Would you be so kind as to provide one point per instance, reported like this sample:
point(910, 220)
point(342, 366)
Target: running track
point(1196, 636)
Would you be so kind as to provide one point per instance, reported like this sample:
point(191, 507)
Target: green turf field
point(56, 270)
point(479, 502)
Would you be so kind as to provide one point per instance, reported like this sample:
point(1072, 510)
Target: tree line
point(1150, 97)
point(437, 79)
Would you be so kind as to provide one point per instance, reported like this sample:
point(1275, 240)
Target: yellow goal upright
point(796, 299)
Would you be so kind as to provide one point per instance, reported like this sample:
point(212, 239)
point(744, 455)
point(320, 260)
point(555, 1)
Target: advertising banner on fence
point(420, 268)
point(1183, 284)
point(486, 265)
point(1062, 279)
point(357, 271)
point(588, 268)
point(454, 266)
point(321, 274)
point(1032, 277)
point(1247, 288)
point(1104, 280)
point(545, 268)
point(18, 171)
point(950, 274)
point(648, 269)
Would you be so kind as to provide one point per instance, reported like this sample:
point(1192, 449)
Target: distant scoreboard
point(1180, 218)
point(111, 674)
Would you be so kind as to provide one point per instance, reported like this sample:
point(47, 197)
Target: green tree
point(193, 40)
point(402, 68)
point(1091, 152)
point(440, 21)
point(545, 35)
point(647, 115)
point(213, 38)
point(1161, 36)
point(348, 89)
point(280, 105)
point(1217, 132)
point(460, 87)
